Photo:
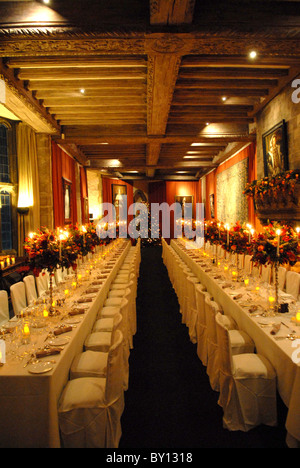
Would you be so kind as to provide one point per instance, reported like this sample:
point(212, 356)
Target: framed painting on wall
point(212, 205)
point(117, 192)
point(182, 200)
point(275, 150)
point(67, 191)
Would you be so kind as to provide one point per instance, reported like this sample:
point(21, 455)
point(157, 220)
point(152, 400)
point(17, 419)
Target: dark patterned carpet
point(169, 403)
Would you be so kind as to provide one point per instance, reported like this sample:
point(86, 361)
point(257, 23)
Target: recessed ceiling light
point(181, 172)
point(46, 2)
point(190, 157)
point(207, 123)
point(253, 54)
point(224, 98)
point(82, 90)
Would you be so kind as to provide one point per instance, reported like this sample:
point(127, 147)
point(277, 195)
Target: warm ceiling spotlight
point(224, 98)
point(82, 90)
point(207, 123)
point(46, 2)
point(253, 54)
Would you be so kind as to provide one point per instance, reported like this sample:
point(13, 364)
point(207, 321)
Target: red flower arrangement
point(42, 250)
point(265, 246)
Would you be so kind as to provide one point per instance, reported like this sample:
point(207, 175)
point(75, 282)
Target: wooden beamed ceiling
point(170, 98)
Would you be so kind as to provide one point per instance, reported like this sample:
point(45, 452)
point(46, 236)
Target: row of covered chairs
point(26, 292)
point(92, 402)
point(245, 380)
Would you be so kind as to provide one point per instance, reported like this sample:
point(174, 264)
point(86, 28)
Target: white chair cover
point(247, 386)
point(90, 408)
point(42, 283)
point(30, 289)
point(191, 307)
point(248, 264)
point(102, 340)
point(201, 294)
point(266, 273)
point(282, 271)
point(293, 283)
point(212, 369)
point(18, 297)
point(4, 307)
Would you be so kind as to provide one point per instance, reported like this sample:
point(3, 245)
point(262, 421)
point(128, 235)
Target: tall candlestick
point(278, 232)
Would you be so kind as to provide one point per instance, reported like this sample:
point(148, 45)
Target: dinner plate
point(40, 368)
point(9, 325)
point(60, 341)
point(73, 320)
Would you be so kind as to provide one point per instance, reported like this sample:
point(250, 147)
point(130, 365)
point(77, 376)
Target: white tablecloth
point(279, 352)
point(28, 402)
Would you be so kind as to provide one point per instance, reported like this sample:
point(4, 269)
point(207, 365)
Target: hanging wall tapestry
point(232, 205)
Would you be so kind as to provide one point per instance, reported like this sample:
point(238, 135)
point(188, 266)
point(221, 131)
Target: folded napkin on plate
point(48, 352)
point(238, 296)
point(61, 330)
point(77, 311)
point(92, 290)
point(84, 299)
point(275, 329)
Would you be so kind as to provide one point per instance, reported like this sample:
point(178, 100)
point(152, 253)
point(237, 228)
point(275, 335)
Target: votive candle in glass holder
point(296, 319)
point(246, 282)
point(234, 275)
point(2, 265)
point(26, 334)
point(271, 302)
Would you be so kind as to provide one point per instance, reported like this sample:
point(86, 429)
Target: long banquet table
point(282, 353)
point(28, 402)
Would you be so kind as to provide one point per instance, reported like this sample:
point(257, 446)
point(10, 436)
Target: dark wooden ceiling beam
point(172, 12)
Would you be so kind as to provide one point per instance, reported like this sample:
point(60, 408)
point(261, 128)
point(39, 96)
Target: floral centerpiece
point(270, 188)
point(236, 239)
point(268, 251)
point(43, 253)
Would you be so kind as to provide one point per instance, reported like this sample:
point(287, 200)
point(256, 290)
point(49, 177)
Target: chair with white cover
point(282, 271)
point(94, 363)
point(247, 386)
point(30, 288)
point(201, 294)
point(42, 283)
point(90, 408)
point(292, 283)
point(266, 273)
point(102, 340)
point(212, 369)
point(191, 307)
point(4, 307)
point(247, 264)
point(18, 297)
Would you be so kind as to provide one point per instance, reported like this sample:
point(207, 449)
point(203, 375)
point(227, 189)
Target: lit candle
point(296, 319)
point(45, 313)
point(278, 232)
point(13, 260)
point(227, 228)
point(246, 281)
point(2, 265)
point(8, 261)
point(298, 230)
point(257, 288)
point(26, 333)
point(271, 302)
point(66, 292)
